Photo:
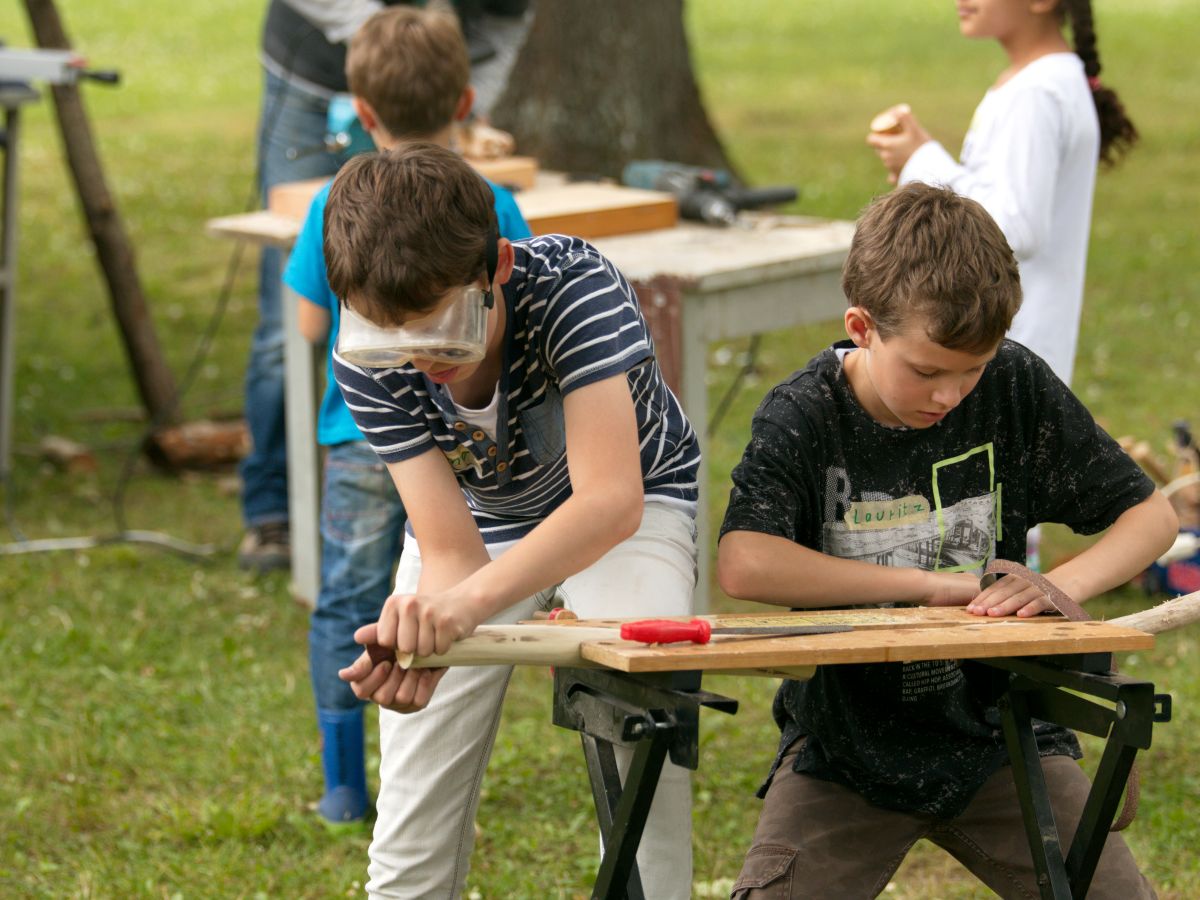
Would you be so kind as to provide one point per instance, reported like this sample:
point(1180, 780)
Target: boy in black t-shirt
point(893, 469)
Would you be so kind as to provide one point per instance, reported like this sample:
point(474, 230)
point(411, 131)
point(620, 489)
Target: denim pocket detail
point(544, 428)
point(360, 501)
point(766, 874)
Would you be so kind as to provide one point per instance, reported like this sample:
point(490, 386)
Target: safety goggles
point(455, 333)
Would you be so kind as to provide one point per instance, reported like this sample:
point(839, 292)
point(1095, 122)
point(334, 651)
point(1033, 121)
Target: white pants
point(433, 761)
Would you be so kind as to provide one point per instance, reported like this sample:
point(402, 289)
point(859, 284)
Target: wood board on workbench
point(586, 209)
point(879, 635)
point(512, 172)
point(292, 198)
point(875, 617)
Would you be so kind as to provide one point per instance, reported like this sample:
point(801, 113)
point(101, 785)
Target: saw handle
point(665, 631)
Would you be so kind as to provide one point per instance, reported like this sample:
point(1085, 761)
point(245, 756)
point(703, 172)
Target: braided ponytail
point(1117, 132)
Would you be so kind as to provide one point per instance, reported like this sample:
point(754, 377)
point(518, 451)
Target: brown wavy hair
point(411, 66)
point(403, 227)
point(926, 254)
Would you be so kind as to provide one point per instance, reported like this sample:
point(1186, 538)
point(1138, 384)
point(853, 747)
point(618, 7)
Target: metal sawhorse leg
point(660, 715)
point(1049, 689)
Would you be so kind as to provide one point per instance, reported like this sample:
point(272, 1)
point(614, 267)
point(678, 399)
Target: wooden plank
point(587, 210)
point(900, 617)
point(708, 260)
point(592, 210)
point(518, 172)
point(880, 635)
point(543, 644)
point(292, 199)
point(981, 639)
point(535, 645)
point(262, 227)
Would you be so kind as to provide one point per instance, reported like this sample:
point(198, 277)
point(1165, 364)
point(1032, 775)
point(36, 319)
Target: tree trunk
point(154, 381)
point(599, 84)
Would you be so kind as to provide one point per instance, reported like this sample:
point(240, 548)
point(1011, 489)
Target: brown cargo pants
point(819, 839)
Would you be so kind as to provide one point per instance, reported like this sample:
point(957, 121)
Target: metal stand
point(660, 715)
point(12, 98)
point(1049, 689)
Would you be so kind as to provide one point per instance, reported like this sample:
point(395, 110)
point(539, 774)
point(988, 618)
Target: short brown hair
point(411, 66)
point(926, 252)
point(403, 227)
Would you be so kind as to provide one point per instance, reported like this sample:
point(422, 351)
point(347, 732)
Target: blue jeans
point(362, 529)
point(291, 118)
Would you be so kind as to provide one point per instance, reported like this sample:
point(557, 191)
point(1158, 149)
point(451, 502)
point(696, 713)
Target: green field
point(158, 736)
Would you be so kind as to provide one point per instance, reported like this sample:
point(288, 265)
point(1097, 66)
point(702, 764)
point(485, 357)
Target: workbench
point(1059, 671)
point(696, 284)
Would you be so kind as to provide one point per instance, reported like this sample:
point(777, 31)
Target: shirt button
point(491, 451)
point(477, 435)
point(460, 426)
point(501, 466)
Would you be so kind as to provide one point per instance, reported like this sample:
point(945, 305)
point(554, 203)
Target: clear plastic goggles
point(455, 335)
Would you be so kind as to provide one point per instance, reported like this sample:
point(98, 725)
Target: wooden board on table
point(261, 226)
point(518, 172)
point(293, 198)
point(591, 210)
point(587, 210)
point(908, 638)
point(923, 617)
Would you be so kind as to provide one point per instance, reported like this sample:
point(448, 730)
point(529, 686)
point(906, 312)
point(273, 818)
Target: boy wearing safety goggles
point(512, 390)
point(408, 70)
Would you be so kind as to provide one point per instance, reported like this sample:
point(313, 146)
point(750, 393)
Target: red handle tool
point(665, 631)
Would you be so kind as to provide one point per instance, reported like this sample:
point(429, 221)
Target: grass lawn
point(158, 736)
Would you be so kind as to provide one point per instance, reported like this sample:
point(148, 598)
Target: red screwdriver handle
point(664, 631)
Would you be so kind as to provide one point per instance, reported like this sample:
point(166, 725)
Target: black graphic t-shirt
point(1019, 450)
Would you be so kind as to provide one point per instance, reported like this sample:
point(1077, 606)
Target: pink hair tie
point(1094, 83)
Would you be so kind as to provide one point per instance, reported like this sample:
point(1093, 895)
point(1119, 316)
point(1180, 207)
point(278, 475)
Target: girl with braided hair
point(1030, 159)
point(1030, 155)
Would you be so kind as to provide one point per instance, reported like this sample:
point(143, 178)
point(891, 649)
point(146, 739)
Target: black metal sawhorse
point(660, 714)
point(1049, 689)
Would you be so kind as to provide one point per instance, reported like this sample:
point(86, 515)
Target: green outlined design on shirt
point(461, 459)
point(993, 489)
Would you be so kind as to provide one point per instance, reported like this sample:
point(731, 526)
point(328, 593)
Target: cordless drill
point(704, 195)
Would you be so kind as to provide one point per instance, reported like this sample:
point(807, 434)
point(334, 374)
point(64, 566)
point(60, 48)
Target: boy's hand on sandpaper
point(1012, 595)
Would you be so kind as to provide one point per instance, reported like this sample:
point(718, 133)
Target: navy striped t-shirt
point(572, 319)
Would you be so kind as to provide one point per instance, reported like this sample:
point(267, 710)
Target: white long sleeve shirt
point(337, 19)
point(1030, 159)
